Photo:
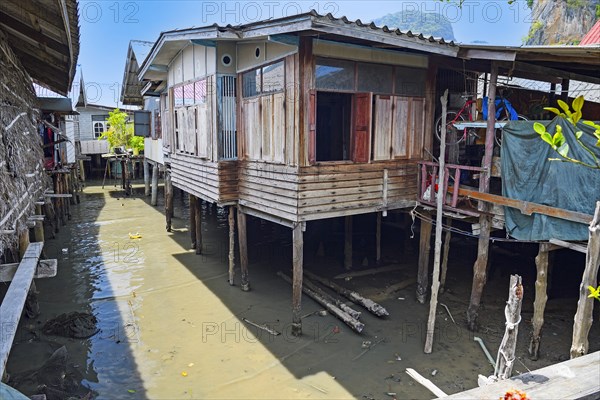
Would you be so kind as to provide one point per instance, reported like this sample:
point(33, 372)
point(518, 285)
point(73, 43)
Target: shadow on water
point(102, 364)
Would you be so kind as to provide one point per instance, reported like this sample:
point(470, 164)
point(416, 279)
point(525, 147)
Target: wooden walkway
point(576, 379)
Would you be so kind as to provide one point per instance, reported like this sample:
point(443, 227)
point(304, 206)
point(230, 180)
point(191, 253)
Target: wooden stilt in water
point(23, 242)
point(297, 261)
point(243, 244)
point(585, 305)
point(424, 250)
point(169, 202)
point(193, 220)
point(541, 297)
point(479, 271)
point(146, 178)
point(445, 254)
point(481, 264)
point(231, 220)
point(154, 195)
point(82, 170)
point(198, 227)
point(39, 225)
point(348, 242)
point(378, 240)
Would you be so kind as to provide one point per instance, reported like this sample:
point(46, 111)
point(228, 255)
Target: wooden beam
point(154, 195)
point(526, 207)
point(26, 29)
point(192, 221)
point(541, 297)
point(546, 71)
point(44, 269)
point(198, 225)
point(231, 220)
point(568, 245)
point(424, 250)
point(14, 300)
point(572, 379)
point(243, 245)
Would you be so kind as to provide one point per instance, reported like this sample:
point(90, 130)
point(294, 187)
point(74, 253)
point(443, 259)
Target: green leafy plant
point(136, 142)
point(557, 140)
point(120, 132)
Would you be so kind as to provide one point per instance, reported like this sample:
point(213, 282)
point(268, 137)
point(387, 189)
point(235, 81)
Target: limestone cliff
point(561, 21)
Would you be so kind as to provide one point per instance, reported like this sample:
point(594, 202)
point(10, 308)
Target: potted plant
point(136, 143)
point(120, 132)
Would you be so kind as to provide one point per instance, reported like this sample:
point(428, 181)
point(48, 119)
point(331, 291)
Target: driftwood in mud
point(355, 297)
point(512, 312)
point(332, 308)
point(541, 297)
point(367, 272)
point(262, 327)
point(74, 325)
point(349, 310)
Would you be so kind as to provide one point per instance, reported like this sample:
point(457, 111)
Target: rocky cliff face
point(561, 21)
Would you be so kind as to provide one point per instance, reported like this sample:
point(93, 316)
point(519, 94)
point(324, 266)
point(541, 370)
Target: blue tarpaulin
point(529, 175)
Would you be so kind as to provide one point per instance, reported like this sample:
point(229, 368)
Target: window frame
point(261, 91)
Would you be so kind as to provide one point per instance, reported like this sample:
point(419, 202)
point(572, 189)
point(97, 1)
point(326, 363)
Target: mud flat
point(170, 325)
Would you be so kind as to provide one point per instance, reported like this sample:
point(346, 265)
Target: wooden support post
point(154, 196)
point(146, 178)
point(169, 202)
point(81, 171)
point(243, 244)
point(445, 254)
point(198, 227)
point(480, 266)
point(564, 91)
point(435, 287)
point(193, 200)
point(124, 174)
point(585, 305)
point(23, 242)
point(378, 240)
point(348, 242)
point(297, 261)
point(231, 220)
point(506, 353)
point(39, 225)
point(541, 297)
point(424, 250)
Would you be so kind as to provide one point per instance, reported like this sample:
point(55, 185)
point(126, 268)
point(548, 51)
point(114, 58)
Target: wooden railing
point(428, 177)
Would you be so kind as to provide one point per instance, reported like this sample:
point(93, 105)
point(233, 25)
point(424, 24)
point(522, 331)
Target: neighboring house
point(91, 123)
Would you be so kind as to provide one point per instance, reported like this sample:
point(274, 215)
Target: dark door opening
point(334, 116)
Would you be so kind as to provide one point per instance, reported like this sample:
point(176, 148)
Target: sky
point(107, 26)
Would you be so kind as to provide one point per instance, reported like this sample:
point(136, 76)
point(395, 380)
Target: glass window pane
point(251, 83)
point(335, 74)
point(374, 78)
point(188, 94)
point(178, 96)
point(410, 81)
point(200, 92)
point(273, 77)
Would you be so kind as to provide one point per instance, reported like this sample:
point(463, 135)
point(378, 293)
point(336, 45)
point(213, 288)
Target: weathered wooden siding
point(326, 191)
point(212, 181)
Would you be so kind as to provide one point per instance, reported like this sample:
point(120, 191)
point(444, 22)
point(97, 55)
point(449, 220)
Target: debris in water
point(190, 365)
point(401, 298)
point(74, 325)
point(398, 358)
point(131, 390)
point(391, 394)
point(366, 344)
point(65, 251)
point(135, 235)
point(183, 373)
point(322, 313)
point(434, 372)
point(336, 329)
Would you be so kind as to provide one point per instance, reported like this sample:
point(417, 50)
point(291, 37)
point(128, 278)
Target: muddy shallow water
point(171, 326)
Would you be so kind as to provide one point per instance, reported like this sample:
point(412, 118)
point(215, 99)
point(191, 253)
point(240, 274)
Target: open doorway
point(334, 117)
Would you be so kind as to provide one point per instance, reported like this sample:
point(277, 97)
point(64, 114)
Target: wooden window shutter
point(312, 126)
point(362, 127)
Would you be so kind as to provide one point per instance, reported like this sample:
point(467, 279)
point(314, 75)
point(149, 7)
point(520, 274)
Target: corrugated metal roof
point(141, 49)
point(593, 36)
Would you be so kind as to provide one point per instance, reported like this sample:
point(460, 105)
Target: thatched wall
point(22, 178)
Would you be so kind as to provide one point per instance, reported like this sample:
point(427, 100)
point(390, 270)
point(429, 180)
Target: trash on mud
point(75, 324)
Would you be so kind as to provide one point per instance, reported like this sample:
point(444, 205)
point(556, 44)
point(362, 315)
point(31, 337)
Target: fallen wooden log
point(332, 308)
point(349, 310)
point(367, 272)
point(425, 382)
point(369, 304)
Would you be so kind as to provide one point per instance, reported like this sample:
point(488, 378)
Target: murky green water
point(171, 327)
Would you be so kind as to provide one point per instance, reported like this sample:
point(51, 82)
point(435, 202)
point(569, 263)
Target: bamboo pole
point(298, 265)
point(355, 297)
point(231, 220)
point(585, 306)
point(243, 245)
point(435, 287)
point(541, 297)
point(424, 250)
